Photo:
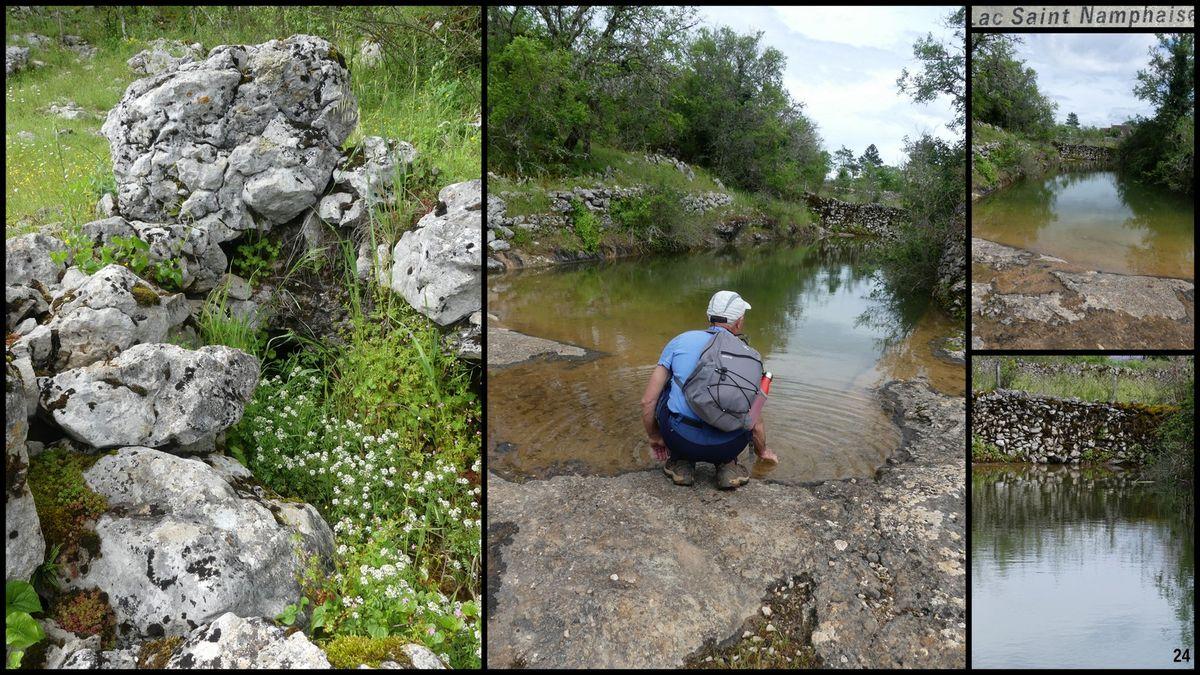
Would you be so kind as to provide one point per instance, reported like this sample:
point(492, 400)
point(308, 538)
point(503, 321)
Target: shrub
point(586, 226)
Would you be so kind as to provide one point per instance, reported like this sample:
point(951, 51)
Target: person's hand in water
point(768, 456)
point(658, 448)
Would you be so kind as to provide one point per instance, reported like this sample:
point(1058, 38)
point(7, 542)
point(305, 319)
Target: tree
point(871, 157)
point(1004, 92)
point(1073, 120)
point(1162, 149)
point(1168, 82)
point(845, 162)
point(943, 69)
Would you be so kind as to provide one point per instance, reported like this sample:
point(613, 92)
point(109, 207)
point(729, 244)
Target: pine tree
point(871, 156)
point(1073, 120)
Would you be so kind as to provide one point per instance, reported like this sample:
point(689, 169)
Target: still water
point(1078, 568)
point(822, 319)
point(1096, 219)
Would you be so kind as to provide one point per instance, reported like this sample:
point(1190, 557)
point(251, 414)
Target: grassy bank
point(1016, 155)
point(1159, 385)
point(382, 433)
point(651, 222)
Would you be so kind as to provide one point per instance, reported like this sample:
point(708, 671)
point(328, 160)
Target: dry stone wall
point(1085, 153)
point(1028, 428)
point(875, 219)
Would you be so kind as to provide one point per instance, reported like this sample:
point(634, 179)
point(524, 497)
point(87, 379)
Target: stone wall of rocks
point(1085, 153)
point(1040, 429)
point(671, 161)
point(874, 219)
point(501, 227)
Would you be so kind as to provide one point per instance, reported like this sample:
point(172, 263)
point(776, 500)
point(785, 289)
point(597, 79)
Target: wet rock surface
point(508, 347)
point(633, 571)
point(1024, 300)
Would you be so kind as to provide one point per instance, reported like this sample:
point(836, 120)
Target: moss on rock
point(67, 508)
point(156, 653)
point(351, 651)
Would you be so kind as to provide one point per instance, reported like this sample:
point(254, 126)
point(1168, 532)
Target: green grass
point(381, 433)
point(1147, 389)
point(674, 230)
point(429, 98)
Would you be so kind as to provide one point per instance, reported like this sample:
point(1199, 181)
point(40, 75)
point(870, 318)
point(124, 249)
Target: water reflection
point(1098, 219)
point(824, 419)
point(1095, 560)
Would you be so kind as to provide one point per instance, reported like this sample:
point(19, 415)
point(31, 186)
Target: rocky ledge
point(1024, 300)
point(634, 572)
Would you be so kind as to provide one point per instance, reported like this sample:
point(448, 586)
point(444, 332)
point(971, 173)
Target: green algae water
point(827, 328)
point(1097, 219)
point(1077, 568)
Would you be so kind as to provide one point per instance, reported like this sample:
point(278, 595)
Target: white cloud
point(843, 62)
point(1089, 74)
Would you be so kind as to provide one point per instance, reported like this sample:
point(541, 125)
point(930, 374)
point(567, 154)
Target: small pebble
point(615, 578)
point(766, 611)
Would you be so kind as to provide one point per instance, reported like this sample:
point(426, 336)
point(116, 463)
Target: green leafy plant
point(288, 617)
point(586, 226)
point(255, 255)
point(21, 631)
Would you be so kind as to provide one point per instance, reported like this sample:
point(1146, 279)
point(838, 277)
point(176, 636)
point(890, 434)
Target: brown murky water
point(1096, 219)
point(828, 342)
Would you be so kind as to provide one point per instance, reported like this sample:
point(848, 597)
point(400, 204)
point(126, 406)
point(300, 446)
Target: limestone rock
point(152, 395)
point(437, 267)
point(24, 547)
point(676, 555)
point(15, 59)
point(110, 312)
point(164, 54)
point(370, 53)
point(254, 643)
point(245, 139)
point(181, 546)
point(28, 258)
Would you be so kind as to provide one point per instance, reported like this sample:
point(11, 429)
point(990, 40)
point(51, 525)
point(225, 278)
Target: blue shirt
point(680, 356)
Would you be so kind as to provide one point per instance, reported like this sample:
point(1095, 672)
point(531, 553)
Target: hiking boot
point(681, 471)
point(731, 475)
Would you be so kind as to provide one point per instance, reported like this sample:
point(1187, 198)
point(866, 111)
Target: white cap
point(727, 304)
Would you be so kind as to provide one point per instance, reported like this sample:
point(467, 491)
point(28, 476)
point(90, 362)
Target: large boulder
point(163, 54)
point(24, 546)
point(437, 267)
point(111, 311)
point(245, 139)
point(180, 545)
point(152, 395)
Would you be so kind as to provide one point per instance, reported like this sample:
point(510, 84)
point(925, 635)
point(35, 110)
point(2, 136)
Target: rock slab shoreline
point(634, 572)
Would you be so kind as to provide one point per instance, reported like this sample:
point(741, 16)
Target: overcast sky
point(1088, 74)
point(842, 63)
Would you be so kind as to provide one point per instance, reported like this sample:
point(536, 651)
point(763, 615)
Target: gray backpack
point(725, 382)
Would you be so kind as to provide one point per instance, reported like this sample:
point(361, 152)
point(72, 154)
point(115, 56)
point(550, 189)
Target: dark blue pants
point(695, 441)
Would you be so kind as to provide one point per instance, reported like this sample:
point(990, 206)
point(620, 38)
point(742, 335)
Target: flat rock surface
point(1024, 300)
point(634, 572)
point(509, 347)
